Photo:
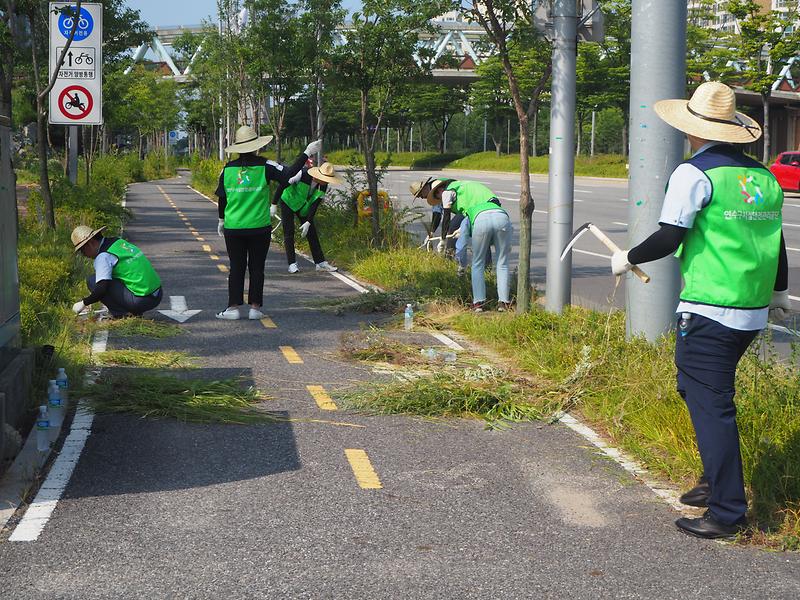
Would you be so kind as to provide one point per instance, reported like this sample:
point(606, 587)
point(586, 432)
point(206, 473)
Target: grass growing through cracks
point(193, 401)
point(149, 359)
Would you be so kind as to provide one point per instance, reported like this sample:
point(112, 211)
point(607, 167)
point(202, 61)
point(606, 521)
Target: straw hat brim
point(317, 174)
point(90, 236)
point(250, 146)
point(416, 191)
point(435, 186)
point(676, 113)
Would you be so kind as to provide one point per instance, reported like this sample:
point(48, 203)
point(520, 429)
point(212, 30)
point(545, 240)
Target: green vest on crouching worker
point(472, 198)
point(133, 269)
point(729, 257)
point(247, 194)
point(299, 197)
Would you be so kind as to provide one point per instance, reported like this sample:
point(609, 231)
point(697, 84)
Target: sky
point(185, 12)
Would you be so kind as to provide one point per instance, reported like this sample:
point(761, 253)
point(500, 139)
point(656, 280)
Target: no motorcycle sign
point(77, 96)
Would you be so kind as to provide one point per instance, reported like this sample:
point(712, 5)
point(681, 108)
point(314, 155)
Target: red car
point(786, 169)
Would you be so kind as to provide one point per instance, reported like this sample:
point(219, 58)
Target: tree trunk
point(765, 154)
point(535, 131)
point(624, 134)
point(526, 206)
point(372, 184)
point(41, 138)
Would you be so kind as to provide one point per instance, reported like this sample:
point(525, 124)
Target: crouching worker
point(124, 280)
point(302, 199)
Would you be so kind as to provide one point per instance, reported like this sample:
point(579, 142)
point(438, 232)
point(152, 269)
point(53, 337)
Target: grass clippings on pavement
point(137, 326)
point(148, 359)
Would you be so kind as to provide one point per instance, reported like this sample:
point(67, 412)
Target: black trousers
point(287, 216)
point(706, 354)
point(247, 251)
point(120, 301)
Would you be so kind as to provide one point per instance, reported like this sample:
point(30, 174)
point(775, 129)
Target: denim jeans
point(491, 228)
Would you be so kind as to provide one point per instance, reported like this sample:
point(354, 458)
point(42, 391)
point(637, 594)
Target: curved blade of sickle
point(575, 236)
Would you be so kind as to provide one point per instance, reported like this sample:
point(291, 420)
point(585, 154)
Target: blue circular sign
point(173, 134)
point(85, 23)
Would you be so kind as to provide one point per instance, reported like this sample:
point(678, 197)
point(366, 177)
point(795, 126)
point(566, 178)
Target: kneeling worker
point(302, 199)
point(124, 280)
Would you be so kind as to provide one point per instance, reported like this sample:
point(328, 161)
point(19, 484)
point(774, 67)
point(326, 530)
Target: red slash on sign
point(75, 102)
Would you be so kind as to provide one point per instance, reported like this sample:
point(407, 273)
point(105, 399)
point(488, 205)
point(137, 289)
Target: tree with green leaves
point(767, 39)
point(526, 59)
point(490, 98)
point(436, 103)
point(616, 49)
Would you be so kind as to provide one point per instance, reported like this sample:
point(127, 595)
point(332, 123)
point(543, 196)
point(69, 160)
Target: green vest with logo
point(729, 257)
point(472, 198)
point(299, 197)
point(247, 193)
point(133, 269)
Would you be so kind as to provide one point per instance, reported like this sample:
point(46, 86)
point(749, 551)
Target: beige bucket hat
point(710, 114)
point(247, 140)
point(82, 234)
point(325, 172)
point(435, 186)
point(417, 187)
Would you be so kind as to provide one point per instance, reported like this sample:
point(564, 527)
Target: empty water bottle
point(63, 385)
point(42, 425)
point(408, 319)
point(55, 407)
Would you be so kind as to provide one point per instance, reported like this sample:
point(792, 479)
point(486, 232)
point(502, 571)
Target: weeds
point(148, 359)
point(137, 326)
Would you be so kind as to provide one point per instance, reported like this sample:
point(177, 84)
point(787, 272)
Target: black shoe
point(698, 495)
point(709, 528)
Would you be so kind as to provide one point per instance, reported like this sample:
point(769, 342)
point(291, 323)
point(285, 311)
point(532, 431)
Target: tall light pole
point(658, 71)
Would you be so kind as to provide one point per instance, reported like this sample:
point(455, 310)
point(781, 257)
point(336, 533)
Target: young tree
point(616, 49)
point(509, 25)
point(767, 40)
point(437, 104)
point(491, 99)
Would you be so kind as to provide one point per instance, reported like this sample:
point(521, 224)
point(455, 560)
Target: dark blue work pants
point(706, 354)
point(120, 301)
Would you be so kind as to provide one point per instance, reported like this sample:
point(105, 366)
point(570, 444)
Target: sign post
point(77, 96)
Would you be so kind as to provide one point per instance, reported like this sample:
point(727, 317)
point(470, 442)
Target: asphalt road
point(161, 509)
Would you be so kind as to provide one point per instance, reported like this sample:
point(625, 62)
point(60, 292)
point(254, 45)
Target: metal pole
point(484, 134)
point(562, 155)
point(320, 126)
point(444, 141)
point(591, 148)
point(658, 71)
point(387, 139)
point(72, 157)
point(411, 140)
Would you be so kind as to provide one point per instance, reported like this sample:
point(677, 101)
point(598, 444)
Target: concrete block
point(15, 383)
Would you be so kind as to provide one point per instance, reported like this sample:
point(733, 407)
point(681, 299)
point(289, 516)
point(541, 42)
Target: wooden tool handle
point(608, 242)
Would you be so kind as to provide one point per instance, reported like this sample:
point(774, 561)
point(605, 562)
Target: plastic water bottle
point(42, 426)
point(55, 407)
point(63, 385)
point(408, 320)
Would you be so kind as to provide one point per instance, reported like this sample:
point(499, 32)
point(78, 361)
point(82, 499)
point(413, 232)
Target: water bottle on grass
point(63, 385)
point(55, 407)
point(42, 426)
point(408, 319)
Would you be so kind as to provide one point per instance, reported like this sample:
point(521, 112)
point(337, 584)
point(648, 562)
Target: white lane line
point(790, 225)
point(446, 340)
point(795, 298)
point(350, 282)
point(541, 212)
point(100, 341)
point(619, 223)
point(202, 194)
point(585, 191)
point(591, 253)
point(793, 249)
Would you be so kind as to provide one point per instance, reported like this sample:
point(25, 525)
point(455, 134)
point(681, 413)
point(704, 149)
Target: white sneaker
point(255, 314)
point(325, 266)
point(229, 314)
point(293, 268)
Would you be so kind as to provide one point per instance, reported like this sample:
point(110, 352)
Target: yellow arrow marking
point(366, 476)
point(291, 356)
point(198, 238)
point(321, 397)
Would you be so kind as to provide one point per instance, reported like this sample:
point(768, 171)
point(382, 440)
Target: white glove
point(313, 148)
point(304, 228)
point(296, 177)
point(619, 262)
point(79, 306)
point(440, 246)
point(780, 305)
point(273, 210)
point(221, 228)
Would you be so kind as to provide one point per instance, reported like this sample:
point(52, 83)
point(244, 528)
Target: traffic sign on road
point(77, 96)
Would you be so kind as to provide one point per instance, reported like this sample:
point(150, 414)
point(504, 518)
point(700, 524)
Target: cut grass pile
point(148, 359)
point(161, 396)
point(135, 326)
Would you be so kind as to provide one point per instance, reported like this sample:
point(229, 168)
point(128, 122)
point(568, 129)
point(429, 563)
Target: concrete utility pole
point(658, 71)
point(562, 154)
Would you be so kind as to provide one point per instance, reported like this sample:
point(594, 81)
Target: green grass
point(415, 160)
point(130, 357)
point(193, 401)
point(137, 326)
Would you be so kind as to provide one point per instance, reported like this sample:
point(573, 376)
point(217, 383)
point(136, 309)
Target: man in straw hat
point(302, 199)
point(722, 213)
point(489, 225)
point(245, 215)
point(124, 280)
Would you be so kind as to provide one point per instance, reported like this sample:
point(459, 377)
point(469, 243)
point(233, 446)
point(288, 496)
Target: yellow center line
point(268, 323)
point(365, 475)
point(206, 247)
point(213, 257)
point(198, 238)
point(222, 268)
point(321, 397)
point(291, 356)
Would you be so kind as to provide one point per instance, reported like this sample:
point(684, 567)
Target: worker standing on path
point(245, 215)
point(124, 280)
point(489, 225)
point(722, 213)
point(302, 199)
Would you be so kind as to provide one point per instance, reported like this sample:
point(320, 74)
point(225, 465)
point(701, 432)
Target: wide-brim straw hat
point(417, 187)
point(435, 186)
point(82, 234)
point(710, 114)
point(247, 140)
point(325, 172)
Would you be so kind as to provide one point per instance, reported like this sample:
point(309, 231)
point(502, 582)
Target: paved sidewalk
point(161, 509)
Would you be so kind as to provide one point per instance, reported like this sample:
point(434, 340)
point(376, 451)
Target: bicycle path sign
point(77, 96)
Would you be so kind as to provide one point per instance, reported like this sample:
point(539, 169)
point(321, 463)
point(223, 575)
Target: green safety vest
point(729, 257)
point(247, 192)
point(133, 269)
point(299, 198)
point(472, 198)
